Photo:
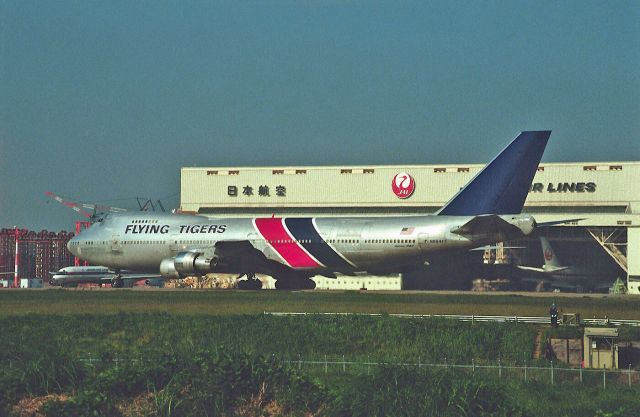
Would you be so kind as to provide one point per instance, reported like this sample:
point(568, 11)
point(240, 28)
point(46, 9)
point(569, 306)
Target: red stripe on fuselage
point(273, 231)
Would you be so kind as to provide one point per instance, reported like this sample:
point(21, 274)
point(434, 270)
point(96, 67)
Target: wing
point(136, 277)
point(234, 256)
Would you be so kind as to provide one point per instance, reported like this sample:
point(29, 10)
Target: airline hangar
point(605, 194)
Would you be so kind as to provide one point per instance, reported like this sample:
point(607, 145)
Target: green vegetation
point(224, 302)
point(134, 364)
point(384, 339)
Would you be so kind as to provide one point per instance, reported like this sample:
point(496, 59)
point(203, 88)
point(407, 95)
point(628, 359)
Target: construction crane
point(149, 205)
point(96, 209)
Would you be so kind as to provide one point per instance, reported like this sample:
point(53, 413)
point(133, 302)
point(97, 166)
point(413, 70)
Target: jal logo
point(548, 255)
point(403, 185)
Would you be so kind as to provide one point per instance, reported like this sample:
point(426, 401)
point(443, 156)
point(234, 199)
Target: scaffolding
point(614, 242)
point(38, 253)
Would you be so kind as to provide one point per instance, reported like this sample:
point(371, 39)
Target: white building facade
point(605, 194)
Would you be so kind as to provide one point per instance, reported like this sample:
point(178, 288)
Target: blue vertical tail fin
point(502, 186)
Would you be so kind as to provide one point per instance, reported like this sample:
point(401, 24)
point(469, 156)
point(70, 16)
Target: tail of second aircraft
point(502, 186)
point(551, 260)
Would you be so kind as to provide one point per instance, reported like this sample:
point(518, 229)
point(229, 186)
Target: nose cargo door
point(116, 244)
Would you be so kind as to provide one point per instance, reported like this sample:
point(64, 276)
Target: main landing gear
point(295, 284)
point(117, 282)
point(251, 283)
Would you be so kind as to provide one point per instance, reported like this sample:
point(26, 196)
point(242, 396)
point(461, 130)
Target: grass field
point(150, 364)
point(224, 302)
point(212, 352)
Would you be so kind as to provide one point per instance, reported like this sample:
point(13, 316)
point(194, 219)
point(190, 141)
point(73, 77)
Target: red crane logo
point(403, 185)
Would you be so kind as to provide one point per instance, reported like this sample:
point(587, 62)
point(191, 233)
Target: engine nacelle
point(186, 264)
point(525, 223)
point(168, 269)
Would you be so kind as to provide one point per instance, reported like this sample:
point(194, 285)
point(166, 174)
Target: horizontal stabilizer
point(543, 270)
point(494, 247)
point(558, 222)
point(485, 224)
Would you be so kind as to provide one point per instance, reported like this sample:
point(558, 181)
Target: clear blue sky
point(107, 100)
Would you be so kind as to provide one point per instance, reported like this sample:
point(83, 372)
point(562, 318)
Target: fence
point(527, 373)
point(473, 318)
point(551, 374)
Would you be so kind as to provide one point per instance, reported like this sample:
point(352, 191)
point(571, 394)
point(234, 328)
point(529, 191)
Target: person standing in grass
point(553, 312)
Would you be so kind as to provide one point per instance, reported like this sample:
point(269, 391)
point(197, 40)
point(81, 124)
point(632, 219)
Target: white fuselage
point(141, 241)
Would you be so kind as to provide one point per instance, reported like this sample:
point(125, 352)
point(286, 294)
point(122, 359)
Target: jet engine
point(186, 264)
point(168, 269)
point(525, 223)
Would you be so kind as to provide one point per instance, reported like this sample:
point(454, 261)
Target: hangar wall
point(599, 187)
point(633, 255)
point(605, 194)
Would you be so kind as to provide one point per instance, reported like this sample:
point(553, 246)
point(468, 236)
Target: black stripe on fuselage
point(302, 229)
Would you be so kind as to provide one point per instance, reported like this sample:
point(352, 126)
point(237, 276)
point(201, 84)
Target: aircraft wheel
point(298, 284)
point(309, 284)
point(282, 284)
point(250, 284)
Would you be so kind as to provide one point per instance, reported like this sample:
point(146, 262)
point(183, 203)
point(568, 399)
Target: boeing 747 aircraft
point(293, 249)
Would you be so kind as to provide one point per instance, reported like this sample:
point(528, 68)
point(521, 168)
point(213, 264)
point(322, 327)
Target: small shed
point(600, 347)
point(31, 283)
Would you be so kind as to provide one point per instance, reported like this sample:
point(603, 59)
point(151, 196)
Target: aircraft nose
point(71, 245)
